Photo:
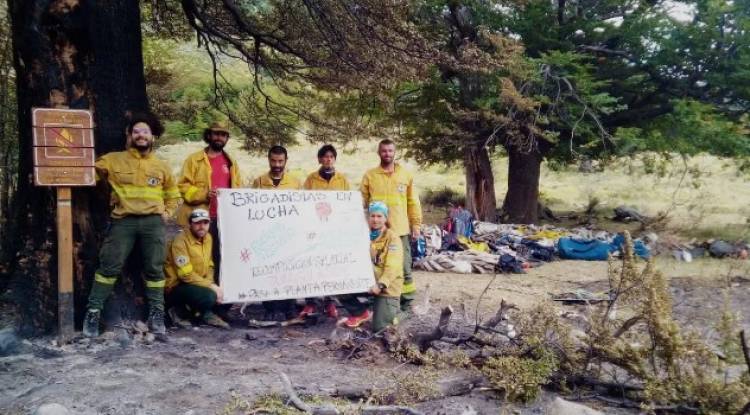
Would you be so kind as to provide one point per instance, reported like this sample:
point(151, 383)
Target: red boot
point(356, 321)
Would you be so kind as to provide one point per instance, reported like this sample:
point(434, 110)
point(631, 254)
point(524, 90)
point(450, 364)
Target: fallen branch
point(298, 403)
point(745, 352)
point(743, 341)
point(627, 325)
point(424, 340)
point(600, 384)
point(499, 316)
point(457, 386)
point(387, 410)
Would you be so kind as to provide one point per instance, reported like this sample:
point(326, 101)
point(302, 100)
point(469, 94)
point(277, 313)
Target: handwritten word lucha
point(272, 212)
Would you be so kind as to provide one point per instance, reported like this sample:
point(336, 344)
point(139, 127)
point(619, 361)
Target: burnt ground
point(204, 370)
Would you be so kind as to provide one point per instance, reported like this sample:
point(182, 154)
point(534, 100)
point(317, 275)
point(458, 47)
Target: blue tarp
point(596, 250)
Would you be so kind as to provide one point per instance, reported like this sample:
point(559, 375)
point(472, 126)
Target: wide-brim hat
point(218, 127)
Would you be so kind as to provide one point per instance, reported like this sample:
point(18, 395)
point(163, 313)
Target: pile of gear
point(715, 248)
point(465, 246)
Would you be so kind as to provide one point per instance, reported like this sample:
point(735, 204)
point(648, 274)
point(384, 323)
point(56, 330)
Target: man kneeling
point(387, 253)
point(190, 274)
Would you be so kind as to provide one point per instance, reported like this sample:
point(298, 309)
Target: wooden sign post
point(64, 157)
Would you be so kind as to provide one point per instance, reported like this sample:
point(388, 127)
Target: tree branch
point(424, 340)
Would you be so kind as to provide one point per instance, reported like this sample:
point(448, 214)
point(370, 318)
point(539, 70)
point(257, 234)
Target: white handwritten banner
point(282, 244)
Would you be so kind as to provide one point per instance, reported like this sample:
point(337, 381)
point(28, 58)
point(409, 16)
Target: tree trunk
point(77, 54)
point(480, 184)
point(8, 141)
point(521, 203)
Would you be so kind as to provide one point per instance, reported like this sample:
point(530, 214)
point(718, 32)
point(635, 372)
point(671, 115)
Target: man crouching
point(189, 269)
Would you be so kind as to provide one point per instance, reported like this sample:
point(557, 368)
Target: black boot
point(91, 323)
point(156, 322)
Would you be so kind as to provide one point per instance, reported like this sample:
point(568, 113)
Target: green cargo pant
point(409, 292)
point(385, 309)
point(149, 233)
point(195, 297)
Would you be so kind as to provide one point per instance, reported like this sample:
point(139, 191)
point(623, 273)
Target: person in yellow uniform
point(143, 196)
point(190, 273)
point(386, 252)
point(203, 173)
point(277, 179)
point(325, 178)
point(392, 184)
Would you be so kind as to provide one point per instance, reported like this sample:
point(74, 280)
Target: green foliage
point(521, 379)
point(408, 388)
point(692, 127)
point(644, 57)
point(728, 329)
point(183, 91)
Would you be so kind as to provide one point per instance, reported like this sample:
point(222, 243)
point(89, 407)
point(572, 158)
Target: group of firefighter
point(181, 276)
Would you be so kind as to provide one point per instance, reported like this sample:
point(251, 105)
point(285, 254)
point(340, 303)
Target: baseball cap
point(199, 215)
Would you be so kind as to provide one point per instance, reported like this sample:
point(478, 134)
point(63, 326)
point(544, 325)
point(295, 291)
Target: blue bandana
point(375, 233)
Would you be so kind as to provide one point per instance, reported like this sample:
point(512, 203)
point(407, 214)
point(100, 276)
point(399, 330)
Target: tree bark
point(521, 203)
point(560, 14)
point(7, 131)
point(76, 54)
point(480, 184)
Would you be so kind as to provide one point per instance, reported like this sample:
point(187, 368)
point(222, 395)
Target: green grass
point(712, 202)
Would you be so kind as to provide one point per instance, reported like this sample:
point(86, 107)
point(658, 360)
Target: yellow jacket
point(396, 190)
point(141, 185)
point(315, 182)
point(195, 183)
point(387, 254)
point(189, 261)
point(264, 181)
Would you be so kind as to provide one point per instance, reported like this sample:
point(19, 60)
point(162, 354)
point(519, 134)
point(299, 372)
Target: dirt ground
point(206, 370)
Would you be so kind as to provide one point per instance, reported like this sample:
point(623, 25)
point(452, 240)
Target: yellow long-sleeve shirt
point(195, 183)
point(189, 261)
point(141, 184)
point(288, 182)
point(398, 192)
point(387, 254)
point(315, 182)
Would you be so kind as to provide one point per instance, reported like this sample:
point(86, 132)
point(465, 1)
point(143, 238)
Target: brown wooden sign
point(64, 176)
point(63, 147)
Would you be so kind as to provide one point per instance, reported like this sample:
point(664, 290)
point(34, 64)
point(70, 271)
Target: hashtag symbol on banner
point(245, 255)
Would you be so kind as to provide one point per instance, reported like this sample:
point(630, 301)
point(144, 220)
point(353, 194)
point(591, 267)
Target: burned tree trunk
point(75, 54)
point(480, 184)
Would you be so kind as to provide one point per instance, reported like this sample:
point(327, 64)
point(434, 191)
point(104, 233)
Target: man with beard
point(203, 173)
point(277, 179)
point(393, 184)
point(190, 274)
point(144, 195)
